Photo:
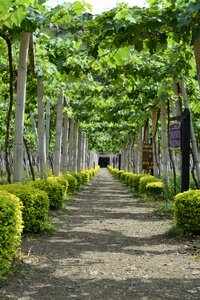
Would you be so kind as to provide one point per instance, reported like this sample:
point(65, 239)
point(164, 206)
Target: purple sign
point(175, 136)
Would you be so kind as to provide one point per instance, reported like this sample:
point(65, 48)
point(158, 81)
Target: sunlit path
point(108, 246)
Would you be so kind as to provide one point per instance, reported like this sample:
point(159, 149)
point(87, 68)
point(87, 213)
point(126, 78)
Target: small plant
point(174, 231)
point(165, 209)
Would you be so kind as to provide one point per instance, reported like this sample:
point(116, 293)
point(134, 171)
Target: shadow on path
point(108, 246)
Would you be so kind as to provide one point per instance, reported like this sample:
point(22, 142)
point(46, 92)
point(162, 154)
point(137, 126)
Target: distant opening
point(104, 161)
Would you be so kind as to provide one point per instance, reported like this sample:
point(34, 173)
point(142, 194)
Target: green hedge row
point(186, 204)
point(25, 207)
point(11, 226)
point(36, 206)
point(140, 183)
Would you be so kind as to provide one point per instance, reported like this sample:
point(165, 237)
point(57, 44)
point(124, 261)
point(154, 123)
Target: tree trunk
point(9, 113)
point(164, 141)
point(170, 150)
point(193, 138)
point(83, 152)
point(65, 143)
point(197, 57)
point(31, 55)
point(140, 146)
point(20, 107)
point(75, 138)
point(132, 154)
point(29, 159)
point(155, 142)
point(86, 154)
point(123, 157)
point(71, 136)
point(59, 122)
point(35, 131)
point(178, 111)
point(80, 150)
point(41, 129)
point(48, 115)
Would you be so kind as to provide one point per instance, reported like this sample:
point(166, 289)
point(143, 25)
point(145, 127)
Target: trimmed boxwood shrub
point(90, 174)
point(36, 206)
point(134, 181)
point(54, 190)
point(79, 178)
point(93, 171)
point(124, 176)
point(61, 180)
point(96, 170)
point(114, 171)
point(72, 183)
point(144, 180)
point(11, 226)
point(187, 211)
point(119, 173)
point(86, 177)
point(155, 189)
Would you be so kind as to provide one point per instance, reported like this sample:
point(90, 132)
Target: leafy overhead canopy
point(113, 67)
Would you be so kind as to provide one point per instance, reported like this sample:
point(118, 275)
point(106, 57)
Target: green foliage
point(90, 173)
point(95, 170)
point(72, 181)
point(112, 66)
point(125, 176)
point(170, 192)
point(12, 13)
point(85, 177)
point(79, 178)
point(62, 181)
point(144, 181)
point(174, 231)
point(187, 211)
point(155, 189)
point(55, 191)
point(11, 226)
point(119, 173)
point(165, 209)
point(36, 206)
point(134, 181)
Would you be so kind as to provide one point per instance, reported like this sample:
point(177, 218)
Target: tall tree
point(59, 123)
point(20, 107)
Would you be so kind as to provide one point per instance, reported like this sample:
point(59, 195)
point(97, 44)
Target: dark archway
point(104, 161)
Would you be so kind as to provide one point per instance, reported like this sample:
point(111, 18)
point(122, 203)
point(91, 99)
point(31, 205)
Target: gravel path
point(108, 246)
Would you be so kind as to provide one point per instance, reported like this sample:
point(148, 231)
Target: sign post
point(184, 134)
point(147, 157)
point(185, 147)
point(175, 136)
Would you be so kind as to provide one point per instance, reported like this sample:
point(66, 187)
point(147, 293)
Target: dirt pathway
point(109, 246)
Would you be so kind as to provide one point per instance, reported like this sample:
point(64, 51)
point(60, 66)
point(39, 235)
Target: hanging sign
point(147, 157)
point(175, 136)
